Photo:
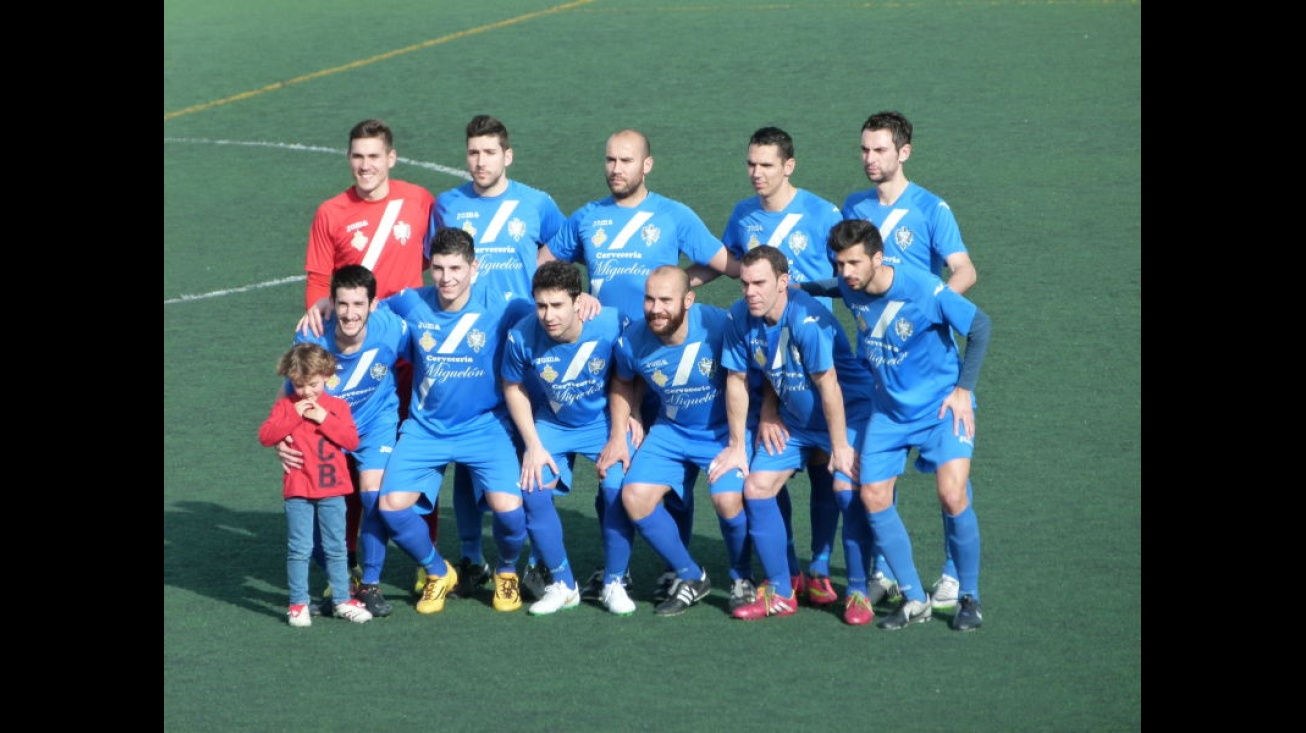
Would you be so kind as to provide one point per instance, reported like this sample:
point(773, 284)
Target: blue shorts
point(374, 449)
point(419, 459)
point(667, 448)
point(566, 442)
point(886, 444)
point(800, 446)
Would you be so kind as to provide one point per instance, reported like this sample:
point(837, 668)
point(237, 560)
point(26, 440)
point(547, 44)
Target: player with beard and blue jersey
point(823, 400)
point(796, 222)
point(457, 413)
point(676, 351)
point(624, 237)
point(924, 399)
point(556, 371)
point(918, 230)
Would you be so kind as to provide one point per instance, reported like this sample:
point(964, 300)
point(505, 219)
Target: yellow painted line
point(366, 62)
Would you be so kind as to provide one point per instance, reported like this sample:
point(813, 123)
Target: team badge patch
point(759, 356)
point(476, 340)
point(516, 229)
point(378, 371)
point(707, 367)
point(333, 382)
point(402, 231)
point(659, 378)
point(359, 241)
point(903, 237)
point(903, 328)
point(427, 341)
point(650, 234)
point(798, 242)
point(470, 228)
point(549, 374)
point(599, 238)
point(596, 365)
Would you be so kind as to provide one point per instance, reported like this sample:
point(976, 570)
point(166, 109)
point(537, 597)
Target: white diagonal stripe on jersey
point(780, 349)
point(456, 336)
point(360, 370)
point(786, 225)
point(382, 234)
point(891, 221)
point(578, 360)
point(886, 318)
point(500, 218)
point(631, 227)
point(686, 365)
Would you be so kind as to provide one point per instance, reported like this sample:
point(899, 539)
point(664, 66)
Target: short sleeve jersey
point(365, 378)
point(800, 230)
point(456, 357)
point(386, 236)
point(806, 340)
point(918, 229)
point(567, 383)
point(621, 245)
point(906, 338)
point(508, 230)
point(687, 378)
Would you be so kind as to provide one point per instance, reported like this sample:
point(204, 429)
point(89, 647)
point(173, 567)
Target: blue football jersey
point(906, 338)
point(456, 357)
point(687, 378)
point(567, 383)
point(508, 230)
point(806, 340)
point(800, 231)
point(365, 378)
point(621, 245)
point(918, 229)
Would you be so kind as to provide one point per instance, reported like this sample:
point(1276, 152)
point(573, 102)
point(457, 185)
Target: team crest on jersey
point(795, 357)
point(659, 378)
point(753, 242)
point(378, 371)
point(903, 328)
point(476, 340)
point(549, 374)
point(333, 382)
point(596, 365)
point(798, 242)
point(516, 229)
point(402, 231)
point(707, 366)
point(903, 237)
point(759, 356)
point(861, 321)
point(359, 241)
point(427, 341)
point(650, 234)
point(599, 238)
point(470, 228)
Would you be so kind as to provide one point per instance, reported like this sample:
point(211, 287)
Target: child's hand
point(310, 410)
